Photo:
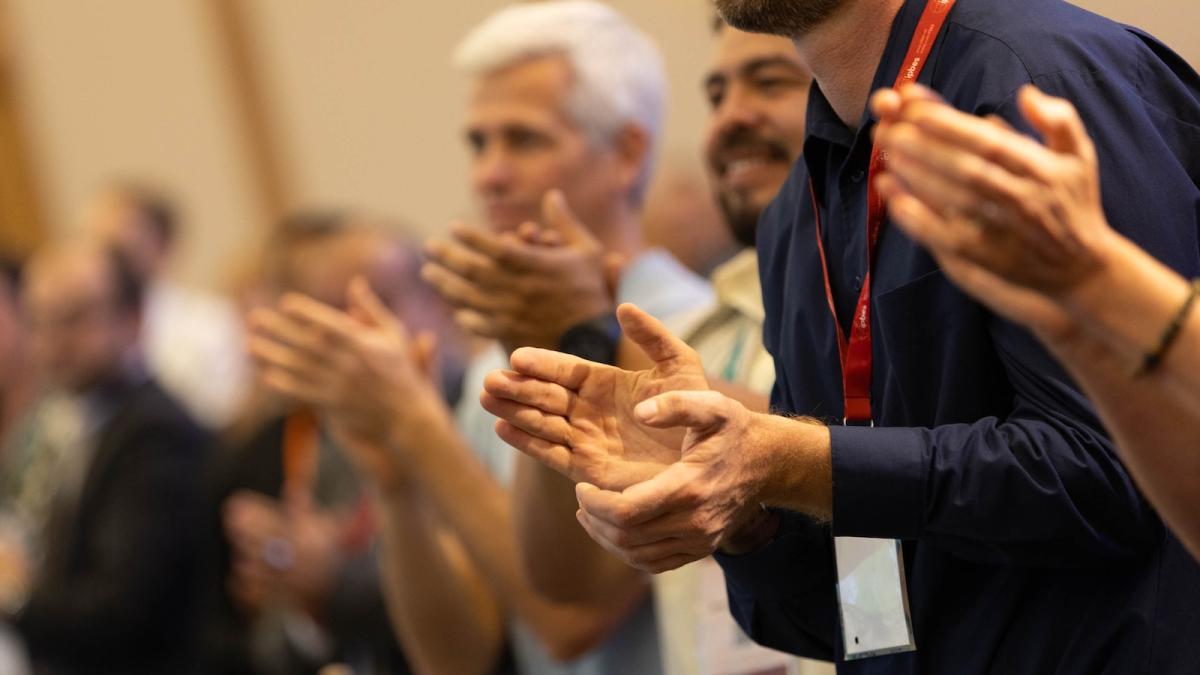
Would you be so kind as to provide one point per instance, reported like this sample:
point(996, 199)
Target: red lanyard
point(855, 352)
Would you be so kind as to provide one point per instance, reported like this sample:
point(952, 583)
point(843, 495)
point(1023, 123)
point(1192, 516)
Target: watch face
point(591, 341)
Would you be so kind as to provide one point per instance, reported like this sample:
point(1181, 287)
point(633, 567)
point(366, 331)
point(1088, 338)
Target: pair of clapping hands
point(372, 380)
point(668, 471)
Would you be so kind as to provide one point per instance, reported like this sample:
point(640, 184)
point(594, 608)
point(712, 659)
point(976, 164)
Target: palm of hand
point(382, 385)
point(609, 447)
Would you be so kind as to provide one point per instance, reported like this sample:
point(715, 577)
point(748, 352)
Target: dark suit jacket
point(118, 590)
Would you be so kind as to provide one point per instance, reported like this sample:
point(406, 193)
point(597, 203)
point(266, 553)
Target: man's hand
point(524, 289)
point(1016, 223)
point(361, 370)
point(577, 417)
point(281, 552)
point(734, 462)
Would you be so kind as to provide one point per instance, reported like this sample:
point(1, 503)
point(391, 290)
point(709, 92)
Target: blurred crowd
point(298, 476)
point(163, 508)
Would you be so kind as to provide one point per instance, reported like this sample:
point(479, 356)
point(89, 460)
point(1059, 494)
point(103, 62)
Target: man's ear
point(631, 146)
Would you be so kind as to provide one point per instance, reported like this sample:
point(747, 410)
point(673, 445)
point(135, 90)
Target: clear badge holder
point(872, 598)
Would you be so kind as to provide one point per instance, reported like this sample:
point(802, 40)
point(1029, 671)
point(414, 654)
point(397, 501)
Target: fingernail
point(646, 410)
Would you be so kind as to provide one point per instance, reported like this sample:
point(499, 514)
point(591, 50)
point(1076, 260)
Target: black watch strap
point(595, 340)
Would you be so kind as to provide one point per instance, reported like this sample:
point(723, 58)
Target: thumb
point(653, 338)
point(614, 269)
point(297, 500)
point(1057, 121)
point(559, 218)
point(692, 409)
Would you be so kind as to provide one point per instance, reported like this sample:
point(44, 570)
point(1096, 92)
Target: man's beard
point(741, 216)
point(789, 18)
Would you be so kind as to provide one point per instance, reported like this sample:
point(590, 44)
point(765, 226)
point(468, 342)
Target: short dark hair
point(129, 289)
point(155, 207)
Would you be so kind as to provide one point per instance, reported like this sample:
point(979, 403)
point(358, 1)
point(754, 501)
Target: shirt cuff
point(878, 482)
point(784, 568)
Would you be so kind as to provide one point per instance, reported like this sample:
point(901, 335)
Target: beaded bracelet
point(1155, 357)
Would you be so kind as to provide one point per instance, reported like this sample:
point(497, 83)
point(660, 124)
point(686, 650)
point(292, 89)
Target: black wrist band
point(1155, 356)
point(595, 340)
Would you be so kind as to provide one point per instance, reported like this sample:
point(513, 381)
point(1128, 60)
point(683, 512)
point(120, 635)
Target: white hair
point(618, 72)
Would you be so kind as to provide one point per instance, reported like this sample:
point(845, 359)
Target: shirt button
point(858, 284)
point(858, 176)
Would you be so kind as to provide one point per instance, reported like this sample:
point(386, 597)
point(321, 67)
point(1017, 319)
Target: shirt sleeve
point(783, 594)
point(1044, 484)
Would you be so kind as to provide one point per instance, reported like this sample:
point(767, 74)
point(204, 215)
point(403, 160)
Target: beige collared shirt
point(697, 633)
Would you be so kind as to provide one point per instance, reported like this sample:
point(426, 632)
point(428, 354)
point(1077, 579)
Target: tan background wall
point(360, 99)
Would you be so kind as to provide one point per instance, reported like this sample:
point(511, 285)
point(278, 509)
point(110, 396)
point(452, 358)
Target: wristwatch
point(595, 339)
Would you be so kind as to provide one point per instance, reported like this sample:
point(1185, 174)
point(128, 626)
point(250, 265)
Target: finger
point(914, 92)
point(464, 261)
point(674, 527)
point(334, 324)
point(942, 193)
point(554, 367)
point(283, 329)
point(314, 393)
point(614, 269)
point(637, 504)
point(700, 410)
point(557, 214)
point(555, 456)
point(425, 353)
point(553, 428)
point(479, 323)
point(370, 305)
point(1016, 152)
point(271, 354)
point(507, 252)
point(885, 104)
point(651, 557)
point(1057, 121)
point(457, 290)
point(546, 396)
point(922, 223)
point(653, 338)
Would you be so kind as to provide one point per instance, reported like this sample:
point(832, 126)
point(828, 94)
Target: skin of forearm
point(1130, 304)
point(479, 513)
point(562, 561)
point(443, 612)
point(794, 459)
point(1157, 430)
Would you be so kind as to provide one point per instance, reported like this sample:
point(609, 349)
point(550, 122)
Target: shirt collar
point(823, 122)
point(737, 285)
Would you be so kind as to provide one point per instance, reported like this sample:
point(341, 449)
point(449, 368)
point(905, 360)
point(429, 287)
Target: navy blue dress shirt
point(1028, 547)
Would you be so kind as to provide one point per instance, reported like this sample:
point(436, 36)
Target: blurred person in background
point(682, 217)
point(566, 106)
point(103, 481)
point(300, 587)
point(193, 339)
point(1020, 225)
point(757, 88)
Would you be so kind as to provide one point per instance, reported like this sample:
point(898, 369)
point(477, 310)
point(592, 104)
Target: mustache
point(742, 139)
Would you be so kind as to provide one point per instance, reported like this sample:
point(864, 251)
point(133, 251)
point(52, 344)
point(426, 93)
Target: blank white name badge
point(872, 597)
